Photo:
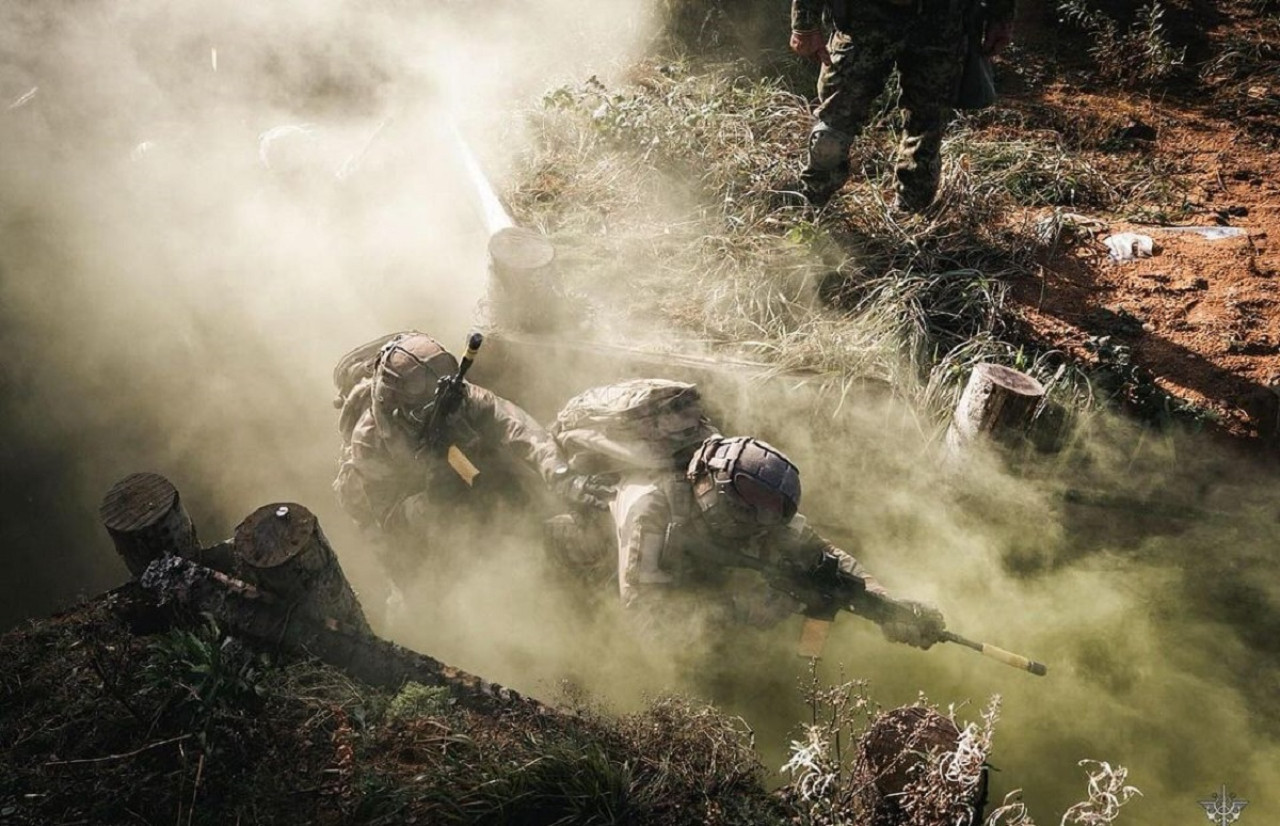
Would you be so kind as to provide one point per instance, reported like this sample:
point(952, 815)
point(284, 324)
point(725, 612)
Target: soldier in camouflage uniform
point(389, 480)
point(926, 40)
point(696, 517)
point(684, 537)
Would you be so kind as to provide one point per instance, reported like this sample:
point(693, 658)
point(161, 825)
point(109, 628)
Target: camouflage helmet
point(404, 381)
point(743, 485)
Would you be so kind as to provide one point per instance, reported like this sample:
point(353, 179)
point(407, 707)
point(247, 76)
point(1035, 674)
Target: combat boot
point(827, 169)
point(917, 173)
point(912, 201)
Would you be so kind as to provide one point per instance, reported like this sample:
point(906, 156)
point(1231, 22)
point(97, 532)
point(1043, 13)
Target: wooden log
point(522, 289)
point(220, 557)
point(998, 402)
point(281, 548)
point(516, 253)
point(144, 516)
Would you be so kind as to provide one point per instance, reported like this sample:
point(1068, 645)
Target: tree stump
point(998, 402)
point(522, 278)
point(895, 752)
point(144, 516)
point(281, 548)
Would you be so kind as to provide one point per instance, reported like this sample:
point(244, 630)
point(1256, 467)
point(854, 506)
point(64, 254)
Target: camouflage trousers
point(926, 42)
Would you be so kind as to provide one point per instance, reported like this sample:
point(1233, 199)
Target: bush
point(1137, 56)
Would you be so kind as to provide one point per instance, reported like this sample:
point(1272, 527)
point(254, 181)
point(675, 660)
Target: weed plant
point(1137, 56)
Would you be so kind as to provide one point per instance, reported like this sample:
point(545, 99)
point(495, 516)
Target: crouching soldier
point(410, 471)
point(692, 507)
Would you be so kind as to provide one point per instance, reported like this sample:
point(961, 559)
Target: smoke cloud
point(203, 207)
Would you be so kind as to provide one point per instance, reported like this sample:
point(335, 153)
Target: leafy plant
point(1120, 379)
point(1140, 55)
point(212, 673)
point(418, 700)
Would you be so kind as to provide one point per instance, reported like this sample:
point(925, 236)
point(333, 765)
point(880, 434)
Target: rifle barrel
point(448, 397)
point(1007, 657)
point(473, 346)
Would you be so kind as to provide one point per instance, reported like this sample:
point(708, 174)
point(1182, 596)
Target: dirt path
point(1199, 318)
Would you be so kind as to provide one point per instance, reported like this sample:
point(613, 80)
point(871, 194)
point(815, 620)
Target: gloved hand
point(811, 45)
point(581, 490)
point(999, 34)
point(921, 625)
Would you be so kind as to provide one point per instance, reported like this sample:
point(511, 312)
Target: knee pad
point(828, 147)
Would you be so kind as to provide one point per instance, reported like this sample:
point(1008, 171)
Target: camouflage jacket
point(807, 15)
point(666, 549)
point(378, 470)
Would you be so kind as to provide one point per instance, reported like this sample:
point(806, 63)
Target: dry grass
point(112, 714)
point(663, 197)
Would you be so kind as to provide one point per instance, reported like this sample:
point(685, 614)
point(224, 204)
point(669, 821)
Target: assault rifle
point(827, 590)
point(448, 398)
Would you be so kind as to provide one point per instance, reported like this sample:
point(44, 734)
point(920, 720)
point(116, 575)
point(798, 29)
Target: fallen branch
point(123, 756)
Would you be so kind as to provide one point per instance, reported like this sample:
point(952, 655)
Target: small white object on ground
point(1126, 246)
point(1209, 233)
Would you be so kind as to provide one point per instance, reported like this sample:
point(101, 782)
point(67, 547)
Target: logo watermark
point(1224, 809)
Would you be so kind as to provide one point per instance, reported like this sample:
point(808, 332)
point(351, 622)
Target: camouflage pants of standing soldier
point(925, 40)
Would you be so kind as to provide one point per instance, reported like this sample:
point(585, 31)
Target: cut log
point(998, 402)
point(516, 253)
point(521, 287)
point(144, 516)
point(281, 548)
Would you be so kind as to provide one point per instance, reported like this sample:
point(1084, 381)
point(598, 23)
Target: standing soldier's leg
point(860, 65)
point(930, 67)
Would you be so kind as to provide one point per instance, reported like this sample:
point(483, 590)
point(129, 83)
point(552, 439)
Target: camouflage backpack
point(636, 424)
point(353, 378)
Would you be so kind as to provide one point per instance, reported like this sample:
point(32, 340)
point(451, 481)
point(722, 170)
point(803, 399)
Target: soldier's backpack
point(353, 379)
point(632, 425)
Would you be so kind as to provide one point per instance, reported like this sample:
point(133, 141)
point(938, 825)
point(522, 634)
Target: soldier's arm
point(807, 548)
point(902, 620)
point(372, 477)
point(496, 418)
point(642, 515)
